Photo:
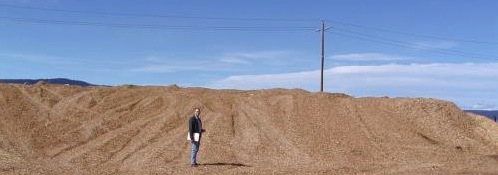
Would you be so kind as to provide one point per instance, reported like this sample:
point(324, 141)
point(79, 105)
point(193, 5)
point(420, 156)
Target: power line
point(412, 34)
point(413, 44)
point(365, 37)
point(154, 26)
point(153, 15)
point(240, 28)
point(247, 19)
point(410, 46)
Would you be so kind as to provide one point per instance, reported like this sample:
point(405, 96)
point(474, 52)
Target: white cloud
point(466, 83)
point(155, 69)
point(28, 1)
point(66, 63)
point(235, 60)
point(167, 65)
point(483, 106)
point(154, 59)
point(435, 45)
point(38, 58)
point(368, 57)
point(176, 67)
point(227, 62)
point(250, 57)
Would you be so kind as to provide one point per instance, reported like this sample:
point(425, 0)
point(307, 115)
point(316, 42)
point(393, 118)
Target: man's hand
point(203, 130)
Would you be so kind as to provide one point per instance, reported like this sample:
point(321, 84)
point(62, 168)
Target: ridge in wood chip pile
point(55, 129)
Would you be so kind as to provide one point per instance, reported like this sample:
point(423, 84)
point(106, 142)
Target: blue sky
point(432, 48)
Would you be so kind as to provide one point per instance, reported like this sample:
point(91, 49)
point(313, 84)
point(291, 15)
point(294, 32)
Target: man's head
point(197, 112)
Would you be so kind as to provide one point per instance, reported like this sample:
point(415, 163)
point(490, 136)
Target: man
point(195, 131)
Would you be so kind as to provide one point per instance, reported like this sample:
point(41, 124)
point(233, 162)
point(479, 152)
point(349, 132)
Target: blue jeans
point(193, 154)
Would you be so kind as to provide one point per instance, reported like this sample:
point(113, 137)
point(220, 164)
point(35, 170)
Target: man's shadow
point(225, 164)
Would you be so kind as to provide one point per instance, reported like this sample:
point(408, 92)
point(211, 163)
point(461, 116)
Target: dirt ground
point(57, 129)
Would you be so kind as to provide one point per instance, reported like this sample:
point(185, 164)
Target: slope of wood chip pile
point(57, 129)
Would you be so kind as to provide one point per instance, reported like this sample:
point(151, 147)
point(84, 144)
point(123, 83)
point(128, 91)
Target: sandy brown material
point(57, 129)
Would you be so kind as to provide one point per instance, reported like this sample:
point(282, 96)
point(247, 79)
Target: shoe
point(193, 165)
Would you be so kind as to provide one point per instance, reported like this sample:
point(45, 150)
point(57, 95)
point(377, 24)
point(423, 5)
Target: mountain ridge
point(491, 114)
point(60, 81)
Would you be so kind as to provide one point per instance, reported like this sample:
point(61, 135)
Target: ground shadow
point(494, 156)
point(225, 164)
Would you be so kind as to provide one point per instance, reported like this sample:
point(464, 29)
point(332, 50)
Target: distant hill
point(62, 81)
point(486, 113)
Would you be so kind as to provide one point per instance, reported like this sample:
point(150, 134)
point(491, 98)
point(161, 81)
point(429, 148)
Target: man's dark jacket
point(195, 126)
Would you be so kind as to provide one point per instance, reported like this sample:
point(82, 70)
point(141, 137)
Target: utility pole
point(322, 60)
